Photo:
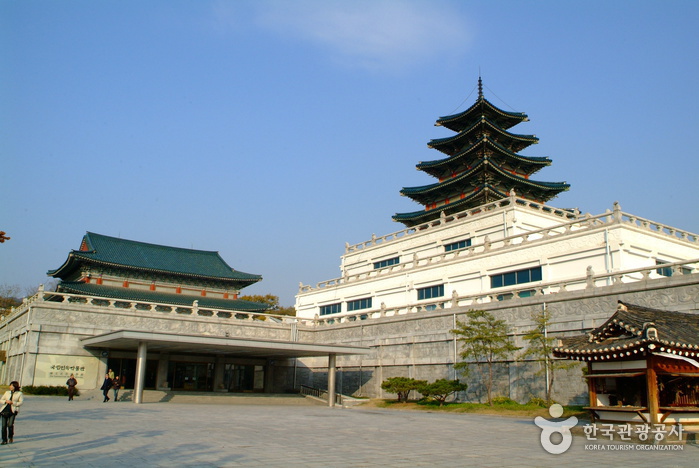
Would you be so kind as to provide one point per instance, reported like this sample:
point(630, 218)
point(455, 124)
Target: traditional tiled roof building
point(160, 318)
point(482, 164)
point(642, 366)
point(123, 269)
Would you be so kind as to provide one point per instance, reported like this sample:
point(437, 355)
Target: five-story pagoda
point(482, 164)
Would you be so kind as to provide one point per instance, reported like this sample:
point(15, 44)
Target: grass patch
point(501, 408)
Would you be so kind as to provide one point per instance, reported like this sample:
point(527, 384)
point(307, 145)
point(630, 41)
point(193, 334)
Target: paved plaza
point(53, 432)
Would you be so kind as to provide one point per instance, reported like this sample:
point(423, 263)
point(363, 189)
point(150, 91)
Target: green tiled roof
point(416, 217)
point(533, 160)
point(481, 107)
point(518, 180)
point(437, 143)
point(112, 251)
point(131, 294)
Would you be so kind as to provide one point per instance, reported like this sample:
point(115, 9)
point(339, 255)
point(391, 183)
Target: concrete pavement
point(52, 432)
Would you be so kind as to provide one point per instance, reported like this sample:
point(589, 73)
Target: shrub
point(401, 386)
point(47, 390)
point(441, 389)
point(503, 400)
point(538, 402)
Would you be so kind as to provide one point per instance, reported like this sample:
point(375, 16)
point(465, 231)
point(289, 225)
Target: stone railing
point(158, 308)
point(487, 246)
point(590, 280)
point(444, 219)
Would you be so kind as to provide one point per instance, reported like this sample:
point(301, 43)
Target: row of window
point(510, 278)
point(462, 244)
point(336, 308)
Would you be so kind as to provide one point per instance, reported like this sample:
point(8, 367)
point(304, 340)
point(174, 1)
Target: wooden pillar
point(591, 391)
point(652, 391)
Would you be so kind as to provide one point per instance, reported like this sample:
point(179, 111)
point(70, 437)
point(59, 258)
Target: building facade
point(159, 317)
point(486, 230)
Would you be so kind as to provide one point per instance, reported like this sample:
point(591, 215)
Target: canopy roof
point(634, 330)
point(129, 340)
point(100, 250)
point(140, 295)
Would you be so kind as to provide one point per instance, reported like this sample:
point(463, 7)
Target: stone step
point(159, 396)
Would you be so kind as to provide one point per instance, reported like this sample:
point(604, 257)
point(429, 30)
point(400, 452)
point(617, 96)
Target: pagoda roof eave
point(437, 142)
point(535, 160)
point(447, 120)
point(417, 217)
point(426, 189)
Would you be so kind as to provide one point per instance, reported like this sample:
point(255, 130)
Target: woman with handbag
point(11, 401)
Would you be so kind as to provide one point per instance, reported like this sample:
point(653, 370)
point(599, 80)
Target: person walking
point(106, 386)
point(71, 383)
point(11, 401)
point(116, 386)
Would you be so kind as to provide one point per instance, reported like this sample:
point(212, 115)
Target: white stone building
point(486, 233)
point(512, 247)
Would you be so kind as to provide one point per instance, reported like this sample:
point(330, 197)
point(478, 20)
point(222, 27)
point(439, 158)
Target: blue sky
point(274, 132)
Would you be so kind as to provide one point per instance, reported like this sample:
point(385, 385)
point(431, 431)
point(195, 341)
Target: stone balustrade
point(590, 280)
point(149, 307)
point(575, 224)
point(566, 214)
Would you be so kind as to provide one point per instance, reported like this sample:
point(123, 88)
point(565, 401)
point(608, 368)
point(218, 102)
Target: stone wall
point(420, 345)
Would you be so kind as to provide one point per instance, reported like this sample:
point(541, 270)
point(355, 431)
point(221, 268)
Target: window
point(457, 245)
point(429, 293)
point(359, 304)
point(331, 309)
point(385, 263)
point(527, 293)
point(515, 277)
point(667, 271)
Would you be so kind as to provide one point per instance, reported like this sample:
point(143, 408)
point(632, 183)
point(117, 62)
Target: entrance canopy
point(142, 342)
point(202, 344)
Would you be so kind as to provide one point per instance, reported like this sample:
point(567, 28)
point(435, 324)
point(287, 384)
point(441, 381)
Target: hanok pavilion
point(642, 366)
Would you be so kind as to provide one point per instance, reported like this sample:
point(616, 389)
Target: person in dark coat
point(106, 386)
point(116, 386)
point(71, 383)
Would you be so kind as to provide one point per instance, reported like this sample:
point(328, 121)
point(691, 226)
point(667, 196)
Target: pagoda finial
point(480, 87)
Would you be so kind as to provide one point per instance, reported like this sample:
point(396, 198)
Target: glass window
point(512, 278)
point(331, 309)
point(430, 292)
point(359, 304)
point(462, 244)
point(385, 263)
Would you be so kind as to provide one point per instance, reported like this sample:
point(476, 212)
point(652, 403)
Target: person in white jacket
point(10, 401)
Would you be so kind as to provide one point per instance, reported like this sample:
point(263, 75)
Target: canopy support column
point(140, 372)
point(331, 379)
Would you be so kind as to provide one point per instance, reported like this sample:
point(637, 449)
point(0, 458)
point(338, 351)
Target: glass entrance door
point(191, 376)
point(244, 378)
